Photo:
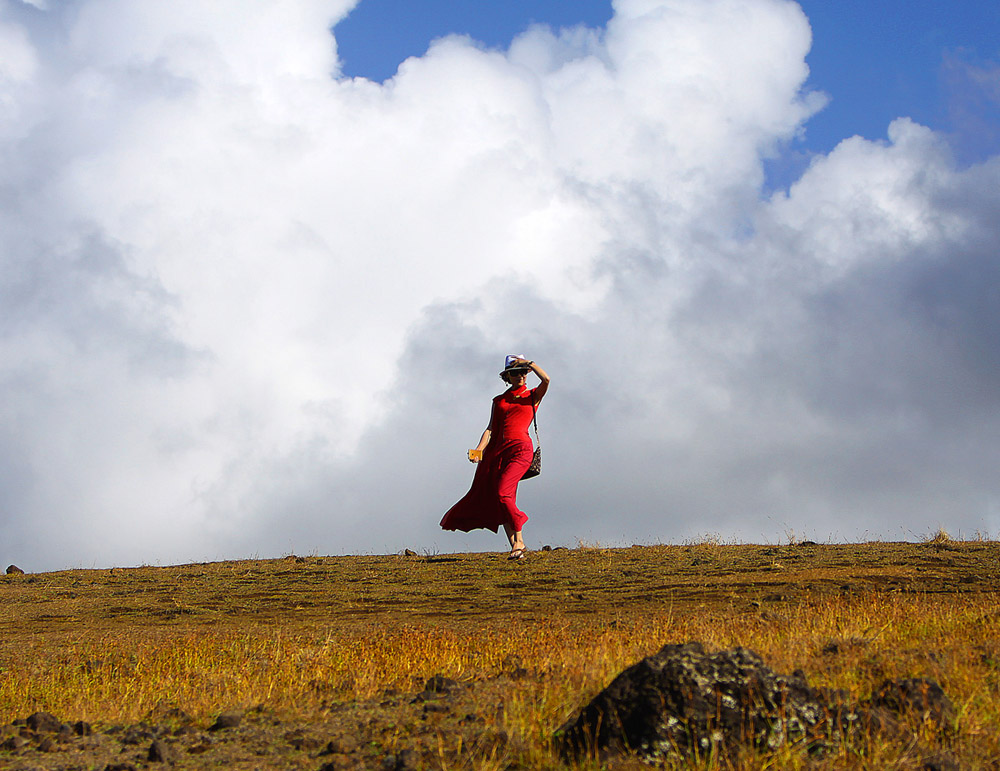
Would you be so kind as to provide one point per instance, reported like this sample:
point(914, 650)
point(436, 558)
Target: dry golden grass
point(304, 636)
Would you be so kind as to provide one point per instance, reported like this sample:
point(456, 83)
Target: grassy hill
point(325, 661)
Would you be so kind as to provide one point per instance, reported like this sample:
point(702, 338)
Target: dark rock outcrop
point(159, 752)
point(683, 701)
point(14, 570)
point(82, 728)
point(915, 697)
point(44, 723)
point(226, 720)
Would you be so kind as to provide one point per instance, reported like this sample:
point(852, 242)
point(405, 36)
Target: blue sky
point(876, 61)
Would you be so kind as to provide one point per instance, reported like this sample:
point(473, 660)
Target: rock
point(227, 720)
point(546, 548)
point(170, 714)
point(943, 761)
point(338, 763)
point(341, 745)
point(404, 760)
point(13, 743)
point(409, 553)
point(159, 752)
point(915, 697)
point(139, 733)
point(44, 723)
point(437, 687)
point(683, 701)
point(203, 746)
point(302, 741)
point(82, 728)
point(14, 570)
point(836, 647)
point(441, 684)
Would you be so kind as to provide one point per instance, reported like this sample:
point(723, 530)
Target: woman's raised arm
point(542, 375)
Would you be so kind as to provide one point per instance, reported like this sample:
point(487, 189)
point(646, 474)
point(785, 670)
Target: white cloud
point(251, 308)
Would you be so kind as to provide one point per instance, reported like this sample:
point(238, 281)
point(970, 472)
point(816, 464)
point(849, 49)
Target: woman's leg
point(514, 536)
point(510, 474)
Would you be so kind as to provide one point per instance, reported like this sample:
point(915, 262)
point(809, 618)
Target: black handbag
point(536, 460)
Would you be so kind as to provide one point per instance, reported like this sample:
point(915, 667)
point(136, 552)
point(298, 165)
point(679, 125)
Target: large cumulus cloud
point(251, 307)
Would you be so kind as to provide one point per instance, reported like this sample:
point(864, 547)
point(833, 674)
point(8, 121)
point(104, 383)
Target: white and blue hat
point(510, 364)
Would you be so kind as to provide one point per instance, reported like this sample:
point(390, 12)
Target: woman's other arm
point(476, 454)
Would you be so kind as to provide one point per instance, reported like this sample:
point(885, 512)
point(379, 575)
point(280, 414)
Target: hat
point(510, 364)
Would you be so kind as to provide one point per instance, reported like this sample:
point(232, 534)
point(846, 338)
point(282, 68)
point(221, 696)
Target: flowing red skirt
point(491, 502)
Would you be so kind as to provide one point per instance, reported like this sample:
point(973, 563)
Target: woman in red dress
point(504, 453)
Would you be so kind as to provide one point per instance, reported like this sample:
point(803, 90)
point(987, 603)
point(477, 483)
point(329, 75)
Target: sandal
point(516, 554)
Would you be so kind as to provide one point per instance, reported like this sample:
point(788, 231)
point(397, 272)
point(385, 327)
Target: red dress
point(492, 500)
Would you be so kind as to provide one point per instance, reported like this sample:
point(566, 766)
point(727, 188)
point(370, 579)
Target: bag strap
point(534, 420)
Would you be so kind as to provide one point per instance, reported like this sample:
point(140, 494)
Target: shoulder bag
point(536, 460)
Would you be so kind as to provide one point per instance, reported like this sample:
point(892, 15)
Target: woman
point(504, 453)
